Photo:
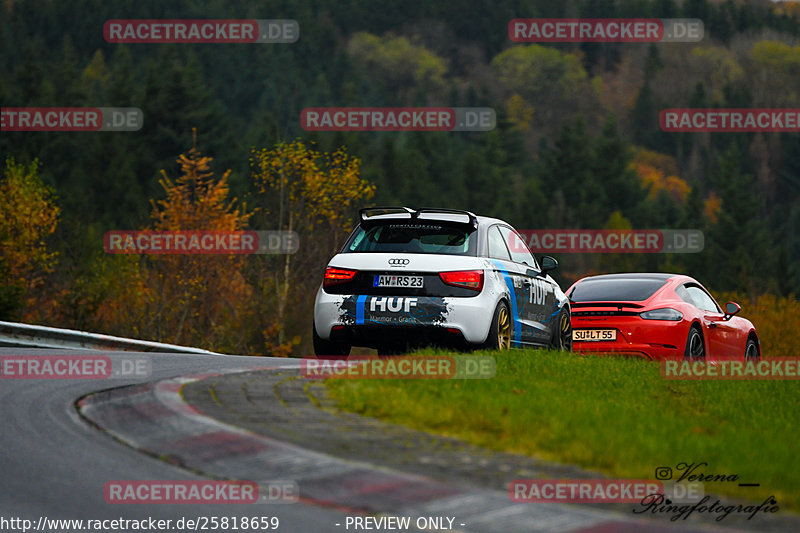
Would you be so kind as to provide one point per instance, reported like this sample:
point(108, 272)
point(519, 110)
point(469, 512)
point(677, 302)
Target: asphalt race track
point(54, 465)
point(246, 425)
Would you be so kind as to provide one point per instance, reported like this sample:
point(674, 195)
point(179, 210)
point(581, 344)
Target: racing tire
point(326, 347)
point(562, 337)
point(499, 337)
point(751, 351)
point(695, 345)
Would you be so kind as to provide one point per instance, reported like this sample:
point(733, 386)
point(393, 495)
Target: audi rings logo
point(398, 262)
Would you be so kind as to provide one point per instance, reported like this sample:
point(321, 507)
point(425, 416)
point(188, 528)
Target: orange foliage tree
point(28, 215)
point(658, 174)
point(198, 299)
point(776, 319)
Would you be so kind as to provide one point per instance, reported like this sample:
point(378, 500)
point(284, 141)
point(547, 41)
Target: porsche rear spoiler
point(617, 305)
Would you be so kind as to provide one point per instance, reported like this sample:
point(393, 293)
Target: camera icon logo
point(663, 473)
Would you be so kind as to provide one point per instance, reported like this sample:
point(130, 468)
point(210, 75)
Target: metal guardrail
point(30, 336)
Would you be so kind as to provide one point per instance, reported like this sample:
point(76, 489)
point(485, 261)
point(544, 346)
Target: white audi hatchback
point(412, 277)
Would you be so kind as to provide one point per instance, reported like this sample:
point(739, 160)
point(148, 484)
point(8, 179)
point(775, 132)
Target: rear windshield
point(615, 290)
point(413, 238)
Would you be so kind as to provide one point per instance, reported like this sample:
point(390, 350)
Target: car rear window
point(429, 238)
point(615, 290)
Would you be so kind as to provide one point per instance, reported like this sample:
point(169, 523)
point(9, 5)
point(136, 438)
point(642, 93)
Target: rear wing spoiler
point(618, 305)
point(372, 215)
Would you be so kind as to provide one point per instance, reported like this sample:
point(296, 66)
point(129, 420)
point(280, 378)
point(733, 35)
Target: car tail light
point(662, 314)
point(337, 275)
point(468, 279)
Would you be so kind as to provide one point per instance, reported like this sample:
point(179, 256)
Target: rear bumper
point(645, 351)
point(374, 320)
point(407, 337)
point(651, 339)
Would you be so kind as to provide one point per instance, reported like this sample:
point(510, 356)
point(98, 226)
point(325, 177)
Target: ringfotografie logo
point(697, 473)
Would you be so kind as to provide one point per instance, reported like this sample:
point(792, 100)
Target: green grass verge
point(614, 415)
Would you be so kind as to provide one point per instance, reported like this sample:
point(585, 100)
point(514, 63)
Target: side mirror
point(731, 308)
point(548, 264)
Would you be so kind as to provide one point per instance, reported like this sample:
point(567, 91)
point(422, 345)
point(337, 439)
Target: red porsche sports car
point(657, 316)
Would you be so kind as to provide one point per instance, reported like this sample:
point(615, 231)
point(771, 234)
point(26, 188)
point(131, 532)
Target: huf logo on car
point(398, 262)
point(392, 305)
point(538, 291)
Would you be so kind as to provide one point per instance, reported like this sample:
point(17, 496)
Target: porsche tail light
point(335, 276)
point(666, 313)
point(468, 279)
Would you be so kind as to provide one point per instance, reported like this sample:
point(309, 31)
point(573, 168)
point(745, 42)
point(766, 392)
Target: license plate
point(594, 335)
point(411, 282)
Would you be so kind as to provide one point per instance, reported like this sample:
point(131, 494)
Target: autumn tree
point(658, 175)
point(28, 215)
point(314, 194)
point(200, 299)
